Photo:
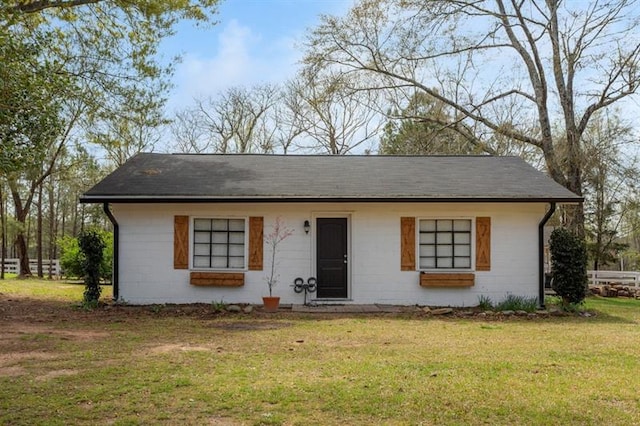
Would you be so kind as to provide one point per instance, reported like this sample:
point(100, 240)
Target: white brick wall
point(146, 253)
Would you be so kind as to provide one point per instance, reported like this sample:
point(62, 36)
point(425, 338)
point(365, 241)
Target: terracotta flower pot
point(271, 304)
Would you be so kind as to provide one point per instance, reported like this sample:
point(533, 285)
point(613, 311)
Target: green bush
point(92, 247)
point(569, 266)
point(106, 266)
point(71, 257)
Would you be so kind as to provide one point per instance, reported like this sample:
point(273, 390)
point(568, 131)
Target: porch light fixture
point(307, 226)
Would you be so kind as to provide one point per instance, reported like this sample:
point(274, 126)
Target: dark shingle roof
point(211, 177)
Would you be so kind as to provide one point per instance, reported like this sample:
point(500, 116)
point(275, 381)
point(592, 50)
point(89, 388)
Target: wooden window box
point(446, 280)
point(217, 279)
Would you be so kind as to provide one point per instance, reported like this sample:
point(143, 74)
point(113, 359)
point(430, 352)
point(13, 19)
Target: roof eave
point(88, 199)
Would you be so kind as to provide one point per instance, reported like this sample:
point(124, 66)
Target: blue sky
point(254, 41)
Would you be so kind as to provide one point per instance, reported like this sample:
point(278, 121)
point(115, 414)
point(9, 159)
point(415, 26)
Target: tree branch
point(40, 5)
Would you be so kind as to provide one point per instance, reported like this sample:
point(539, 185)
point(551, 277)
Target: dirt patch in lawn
point(14, 329)
point(31, 329)
point(9, 361)
point(13, 371)
point(55, 374)
point(250, 325)
point(170, 347)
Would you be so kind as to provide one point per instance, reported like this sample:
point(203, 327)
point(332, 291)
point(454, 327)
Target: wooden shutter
point(256, 234)
point(408, 243)
point(483, 244)
point(181, 242)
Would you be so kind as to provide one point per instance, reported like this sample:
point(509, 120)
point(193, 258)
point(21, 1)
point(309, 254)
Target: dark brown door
point(332, 257)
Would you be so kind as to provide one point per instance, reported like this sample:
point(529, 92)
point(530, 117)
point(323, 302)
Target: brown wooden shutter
point(483, 244)
point(256, 234)
point(181, 242)
point(408, 243)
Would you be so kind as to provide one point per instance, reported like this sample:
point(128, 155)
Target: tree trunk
point(53, 229)
point(63, 224)
point(20, 242)
point(23, 256)
point(39, 234)
point(3, 230)
point(574, 219)
point(74, 228)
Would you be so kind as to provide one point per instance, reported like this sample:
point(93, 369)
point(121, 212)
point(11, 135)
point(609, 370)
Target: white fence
point(12, 266)
point(628, 278)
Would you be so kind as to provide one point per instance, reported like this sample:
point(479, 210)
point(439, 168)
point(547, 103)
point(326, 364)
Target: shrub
point(71, 257)
point(485, 303)
point(569, 266)
point(106, 266)
point(518, 303)
point(552, 300)
point(92, 246)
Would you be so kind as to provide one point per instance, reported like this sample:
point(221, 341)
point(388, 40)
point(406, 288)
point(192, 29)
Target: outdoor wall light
point(307, 226)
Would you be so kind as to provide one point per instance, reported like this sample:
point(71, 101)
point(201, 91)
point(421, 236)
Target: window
point(445, 244)
point(219, 243)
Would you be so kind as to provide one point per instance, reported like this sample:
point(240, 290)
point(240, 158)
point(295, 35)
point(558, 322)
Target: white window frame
point(472, 244)
point(192, 243)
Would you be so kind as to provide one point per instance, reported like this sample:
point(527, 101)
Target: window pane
point(219, 238)
point(445, 225)
point(219, 250)
point(236, 237)
point(463, 251)
point(236, 225)
point(429, 238)
point(201, 237)
point(427, 225)
point(218, 262)
point(236, 262)
point(200, 262)
point(444, 238)
point(462, 262)
point(220, 224)
point(461, 238)
point(427, 251)
point(428, 262)
point(462, 225)
point(236, 250)
point(202, 224)
point(443, 251)
point(201, 249)
point(445, 262)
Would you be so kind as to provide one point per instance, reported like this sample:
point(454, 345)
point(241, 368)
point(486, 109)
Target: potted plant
point(279, 233)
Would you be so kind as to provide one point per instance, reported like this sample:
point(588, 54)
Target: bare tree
point(548, 63)
point(189, 134)
point(288, 120)
point(123, 136)
point(235, 121)
point(336, 118)
point(610, 173)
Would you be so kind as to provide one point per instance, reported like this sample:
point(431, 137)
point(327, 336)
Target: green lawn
point(60, 364)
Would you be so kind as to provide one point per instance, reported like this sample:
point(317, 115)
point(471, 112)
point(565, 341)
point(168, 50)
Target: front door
point(332, 257)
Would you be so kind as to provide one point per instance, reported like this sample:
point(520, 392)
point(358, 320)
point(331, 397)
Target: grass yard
point(60, 364)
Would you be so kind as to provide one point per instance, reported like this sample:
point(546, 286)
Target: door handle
point(345, 258)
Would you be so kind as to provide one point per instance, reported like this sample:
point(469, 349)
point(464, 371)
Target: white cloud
point(226, 62)
point(238, 56)
point(261, 45)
